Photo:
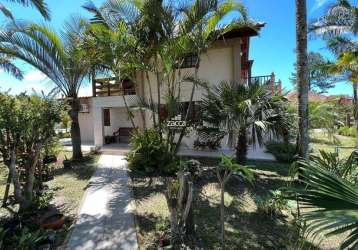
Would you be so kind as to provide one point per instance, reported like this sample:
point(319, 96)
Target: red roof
point(312, 97)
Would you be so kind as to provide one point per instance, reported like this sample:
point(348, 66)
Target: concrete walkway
point(105, 220)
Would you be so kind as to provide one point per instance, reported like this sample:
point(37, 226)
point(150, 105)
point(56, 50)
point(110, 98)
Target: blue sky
point(273, 50)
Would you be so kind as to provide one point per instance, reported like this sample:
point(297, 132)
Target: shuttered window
point(107, 117)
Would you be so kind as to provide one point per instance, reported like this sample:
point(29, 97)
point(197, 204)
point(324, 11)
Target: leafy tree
point(225, 169)
point(302, 77)
point(320, 80)
point(330, 201)
point(26, 125)
point(59, 56)
point(242, 110)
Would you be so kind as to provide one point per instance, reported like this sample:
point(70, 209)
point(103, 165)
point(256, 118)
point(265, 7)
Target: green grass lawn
point(246, 227)
point(321, 141)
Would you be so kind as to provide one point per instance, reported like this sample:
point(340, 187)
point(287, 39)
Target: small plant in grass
point(226, 168)
point(283, 152)
point(271, 204)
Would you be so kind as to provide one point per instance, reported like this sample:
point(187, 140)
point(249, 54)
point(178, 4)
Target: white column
point(98, 126)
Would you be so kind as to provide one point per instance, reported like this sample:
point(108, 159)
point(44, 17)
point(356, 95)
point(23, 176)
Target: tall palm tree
point(243, 110)
point(6, 62)
point(302, 77)
point(59, 56)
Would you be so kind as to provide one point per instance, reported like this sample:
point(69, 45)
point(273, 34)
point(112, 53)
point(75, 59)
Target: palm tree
point(242, 110)
point(59, 57)
point(302, 77)
point(40, 5)
point(164, 33)
point(6, 61)
point(337, 27)
point(330, 202)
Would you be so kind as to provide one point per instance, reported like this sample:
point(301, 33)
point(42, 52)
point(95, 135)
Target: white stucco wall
point(86, 122)
point(120, 119)
point(216, 65)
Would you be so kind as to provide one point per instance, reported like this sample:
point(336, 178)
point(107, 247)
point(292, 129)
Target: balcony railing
point(268, 80)
point(111, 87)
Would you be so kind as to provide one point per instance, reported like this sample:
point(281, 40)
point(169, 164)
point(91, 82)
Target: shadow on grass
point(244, 230)
point(82, 169)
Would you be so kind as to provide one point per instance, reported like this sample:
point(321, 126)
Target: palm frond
point(8, 66)
point(40, 5)
point(331, 200)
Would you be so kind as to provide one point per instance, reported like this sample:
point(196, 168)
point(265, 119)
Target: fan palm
point(330, 202)
point(59, 56)
point(242, 110)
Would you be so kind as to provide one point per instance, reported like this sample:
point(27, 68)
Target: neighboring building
point(312, 97)
point(104, 114)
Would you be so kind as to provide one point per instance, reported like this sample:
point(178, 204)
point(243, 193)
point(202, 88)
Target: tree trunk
point(75, 129)
point(222, 214)
point(241, 147)
point(16, 181)
point(302, 77)
point(182, 133)
point(355, 105)
point(7, 189)
point(30, 176)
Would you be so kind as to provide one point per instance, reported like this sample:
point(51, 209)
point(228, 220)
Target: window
point(194, 113)
point(106, 117)
point(188, 61)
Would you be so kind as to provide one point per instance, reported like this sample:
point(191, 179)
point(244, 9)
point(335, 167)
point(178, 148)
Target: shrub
point(283, 152)
point(149, 153)
point(347, 131)
point(271, 204)
point(192, 166)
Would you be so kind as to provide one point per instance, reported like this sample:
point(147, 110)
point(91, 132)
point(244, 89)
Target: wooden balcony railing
point(111, 87)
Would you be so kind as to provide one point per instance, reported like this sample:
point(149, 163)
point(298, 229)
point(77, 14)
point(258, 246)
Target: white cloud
point(34, 76)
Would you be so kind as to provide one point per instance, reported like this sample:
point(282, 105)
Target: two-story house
point(104, 114)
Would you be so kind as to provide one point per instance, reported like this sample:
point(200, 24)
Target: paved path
point(105, 220)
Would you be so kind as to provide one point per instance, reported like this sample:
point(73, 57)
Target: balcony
point(111, 87)
point(269, 80)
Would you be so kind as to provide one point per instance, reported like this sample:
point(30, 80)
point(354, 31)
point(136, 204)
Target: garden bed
point(67, 189)
point(246, 226)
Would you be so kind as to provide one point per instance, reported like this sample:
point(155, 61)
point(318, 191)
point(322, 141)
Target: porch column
point(237, 61)
point(98, 126)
